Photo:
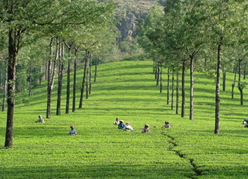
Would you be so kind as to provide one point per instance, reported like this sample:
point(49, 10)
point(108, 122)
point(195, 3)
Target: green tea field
point(127, 89)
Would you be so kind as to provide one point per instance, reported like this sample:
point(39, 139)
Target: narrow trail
point(177, 152)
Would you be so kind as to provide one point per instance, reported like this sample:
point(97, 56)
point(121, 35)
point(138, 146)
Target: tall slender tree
point(60, 77)
point(69, 46)
point(222, 22)
point(51, 74)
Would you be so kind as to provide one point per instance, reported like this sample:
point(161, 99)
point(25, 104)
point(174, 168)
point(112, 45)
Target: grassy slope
point(127, 90)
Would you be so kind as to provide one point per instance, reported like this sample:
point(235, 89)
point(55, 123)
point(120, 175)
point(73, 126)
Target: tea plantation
point(189, 149)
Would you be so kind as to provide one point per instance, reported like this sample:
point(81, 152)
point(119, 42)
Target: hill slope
point(127, 90)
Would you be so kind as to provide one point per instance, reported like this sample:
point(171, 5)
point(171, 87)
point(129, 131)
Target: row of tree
point(191, 34)
point(80, 25)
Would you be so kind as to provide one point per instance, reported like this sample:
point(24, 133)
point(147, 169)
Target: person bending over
point(40, 119)
point(72, 131)
point(145, 129)
point(166, 125)
point(121, 125)
point(128, 127)
point(116, 122)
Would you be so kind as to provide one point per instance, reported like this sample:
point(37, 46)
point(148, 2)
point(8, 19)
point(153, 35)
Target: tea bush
point(128, 90)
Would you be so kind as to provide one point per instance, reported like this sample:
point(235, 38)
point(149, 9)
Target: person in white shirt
point(116, 122)
point(128, 127)
point(167, 124)
point(245, 123)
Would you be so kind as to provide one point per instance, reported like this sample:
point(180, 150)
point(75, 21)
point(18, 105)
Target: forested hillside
point(129, 11)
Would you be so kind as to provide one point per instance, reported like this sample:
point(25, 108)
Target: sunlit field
point(189, 149)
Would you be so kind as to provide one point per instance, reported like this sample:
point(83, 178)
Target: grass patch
point(127, 90)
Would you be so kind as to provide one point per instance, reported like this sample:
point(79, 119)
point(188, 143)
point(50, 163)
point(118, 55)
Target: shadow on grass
point(115, 170)
point(120, 75)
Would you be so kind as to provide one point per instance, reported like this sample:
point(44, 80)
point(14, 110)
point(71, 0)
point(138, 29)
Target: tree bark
point(233, 85)
point(87, 79)
point(83, 83)
point(172, 90)
point(183, 89)
point(5, 84)
point(239, 84)
point(60, 78)
point(74, 83)
point(217, 92)
point(191, 86)
point(158, 73)
point(177, 94)
point(14, 37)
point(168, 87)
point(154, 68)
point(68, 83)
point(51, 75)
point(90, 73)
point(224, 81)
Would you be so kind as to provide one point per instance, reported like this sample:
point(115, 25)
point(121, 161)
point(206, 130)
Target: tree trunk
point(177, 103)
point(90, 72)
point(155, 72)
point(49, 90)
point(239, 84)
point(172, 90)
point(217, 93)
point(154, 68)
point(5, 85)
point(13, 46)
point(183, 89)
point(83, 83)
point(191, 87)
point(51, 76)
point(95, 69)
point(158, 73)
point(161, 77)
point(224, 81)
point(87, 79)
point(233, 85)
point(168, 87)
point(60, 78)
point(68, 84)
point(74, 84)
